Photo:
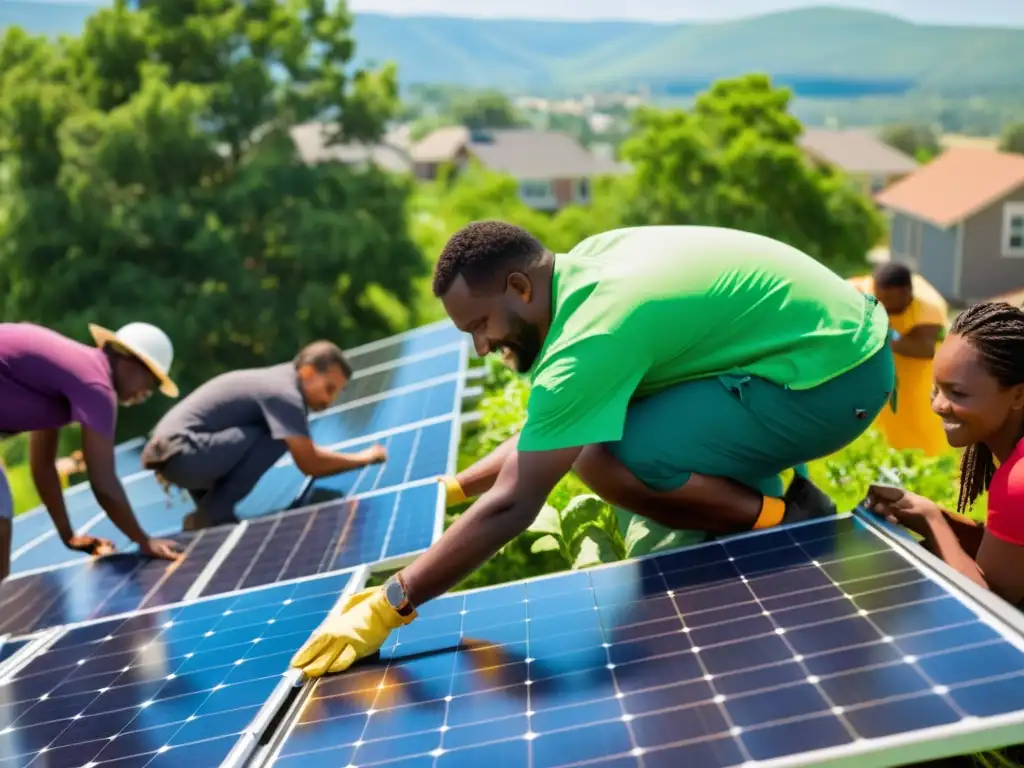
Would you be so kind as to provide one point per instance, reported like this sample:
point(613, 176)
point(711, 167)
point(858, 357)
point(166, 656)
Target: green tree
point(919, 141)
point(733, 161)
point(1012, 139)
point(486, 109)
point(147, 173)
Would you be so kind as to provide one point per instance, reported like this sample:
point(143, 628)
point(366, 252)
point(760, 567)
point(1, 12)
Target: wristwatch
point(394, 593)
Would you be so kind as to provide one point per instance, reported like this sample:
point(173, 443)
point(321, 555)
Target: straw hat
point(145, 342)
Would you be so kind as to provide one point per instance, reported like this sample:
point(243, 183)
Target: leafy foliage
point(917, 141)
point(1012, 139)
point(147, 173)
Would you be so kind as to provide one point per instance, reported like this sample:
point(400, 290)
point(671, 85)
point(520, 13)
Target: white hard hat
point(146, 342)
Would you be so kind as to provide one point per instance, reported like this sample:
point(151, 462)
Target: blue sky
point(982, 12)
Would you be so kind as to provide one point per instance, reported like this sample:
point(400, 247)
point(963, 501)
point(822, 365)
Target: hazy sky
point(986, 12)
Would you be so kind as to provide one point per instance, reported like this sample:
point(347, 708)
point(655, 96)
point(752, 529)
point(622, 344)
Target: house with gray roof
point(552, 168)
point(871, 164)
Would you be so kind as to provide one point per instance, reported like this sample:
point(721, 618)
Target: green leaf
point(548, 521)
point(593, 548)
point(546, 543)
point(644, 536)
point(581, 513)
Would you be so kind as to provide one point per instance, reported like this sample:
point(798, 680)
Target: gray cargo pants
point(218, 469)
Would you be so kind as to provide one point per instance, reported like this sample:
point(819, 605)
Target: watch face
point(394, 593)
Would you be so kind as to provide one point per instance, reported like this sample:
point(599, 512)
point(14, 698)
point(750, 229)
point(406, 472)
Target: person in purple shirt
point(48, 381)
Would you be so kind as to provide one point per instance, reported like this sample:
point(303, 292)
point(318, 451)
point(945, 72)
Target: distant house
point(312, 143)
point(871, 163)
point(959, 221)
point(552, 168)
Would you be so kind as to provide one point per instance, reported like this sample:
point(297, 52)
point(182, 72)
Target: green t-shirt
point(638, 310)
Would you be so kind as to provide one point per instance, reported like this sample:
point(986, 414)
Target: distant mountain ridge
point(818, 51)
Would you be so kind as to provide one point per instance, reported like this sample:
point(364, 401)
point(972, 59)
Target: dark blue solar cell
point(385, 414)
point(413, 454)
point(10, 647)
point(741, 650)
point(172, 687)
point(277, 490)
point(401, 375)
point(423, 340)
point(329, 537)
point(94, 588)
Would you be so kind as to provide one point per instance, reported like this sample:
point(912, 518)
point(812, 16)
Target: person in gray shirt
point(217, 442)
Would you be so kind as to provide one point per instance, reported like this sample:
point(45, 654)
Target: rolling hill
point(822, 51)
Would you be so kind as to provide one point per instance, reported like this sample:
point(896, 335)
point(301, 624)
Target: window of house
point(583, 190)
point(1013, 229)
point(535, 190)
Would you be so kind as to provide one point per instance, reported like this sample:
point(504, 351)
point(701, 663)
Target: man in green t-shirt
point(678, 370)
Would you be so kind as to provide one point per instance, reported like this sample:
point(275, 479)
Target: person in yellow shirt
point(919, 317)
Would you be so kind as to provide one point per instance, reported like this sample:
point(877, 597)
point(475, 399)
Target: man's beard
point(523, 346)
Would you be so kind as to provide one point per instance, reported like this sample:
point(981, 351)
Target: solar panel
point(331, 536)
point(173, 687)
point(791, 647)
point(128, 457)
point(35, 522)
point(93, 588)
point(403, 374)
point(386, 413)
point(8, 648)
point(421, 340)
point(417, 453)
point(157, 513)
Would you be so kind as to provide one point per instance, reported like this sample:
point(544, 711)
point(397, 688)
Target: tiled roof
point(525, 153)
point(311, 142)
point(954, 186)
point(856, 152)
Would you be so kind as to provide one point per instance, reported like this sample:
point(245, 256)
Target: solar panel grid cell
point(9, 647)
point(402, 374)
point(759, 648)
point(418, 342)
point(174, 687)
point(413, 454)
point(328, 537)
point(103, 587)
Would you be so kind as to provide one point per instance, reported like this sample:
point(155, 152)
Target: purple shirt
point(48, 381)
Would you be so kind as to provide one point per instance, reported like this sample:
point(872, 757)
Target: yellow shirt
point(914, 424)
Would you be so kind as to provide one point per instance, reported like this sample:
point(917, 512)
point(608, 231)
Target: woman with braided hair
point(979, 394)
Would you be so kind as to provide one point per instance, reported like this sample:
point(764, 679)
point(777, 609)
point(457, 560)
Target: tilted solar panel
point(793, 647)
point(414, 454)
point(36, 522)
point(422, 340)
point(105, 586)
point(331, 536)
point(8, 648)
point(389, 412)
point(174, 687)
point(402, 374)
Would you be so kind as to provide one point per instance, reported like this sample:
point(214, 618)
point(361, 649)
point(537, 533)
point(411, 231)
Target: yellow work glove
point(455, 493)
point(357, 630)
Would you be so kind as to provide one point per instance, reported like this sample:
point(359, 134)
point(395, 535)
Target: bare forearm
point(969, 532)
point(943, 542)
point(47, 483)
point(480, 477)
point(912, 347)
point(327, 463)
point(473, 539)
point(112, 498)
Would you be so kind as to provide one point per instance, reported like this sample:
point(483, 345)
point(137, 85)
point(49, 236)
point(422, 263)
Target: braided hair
point(996, 332)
